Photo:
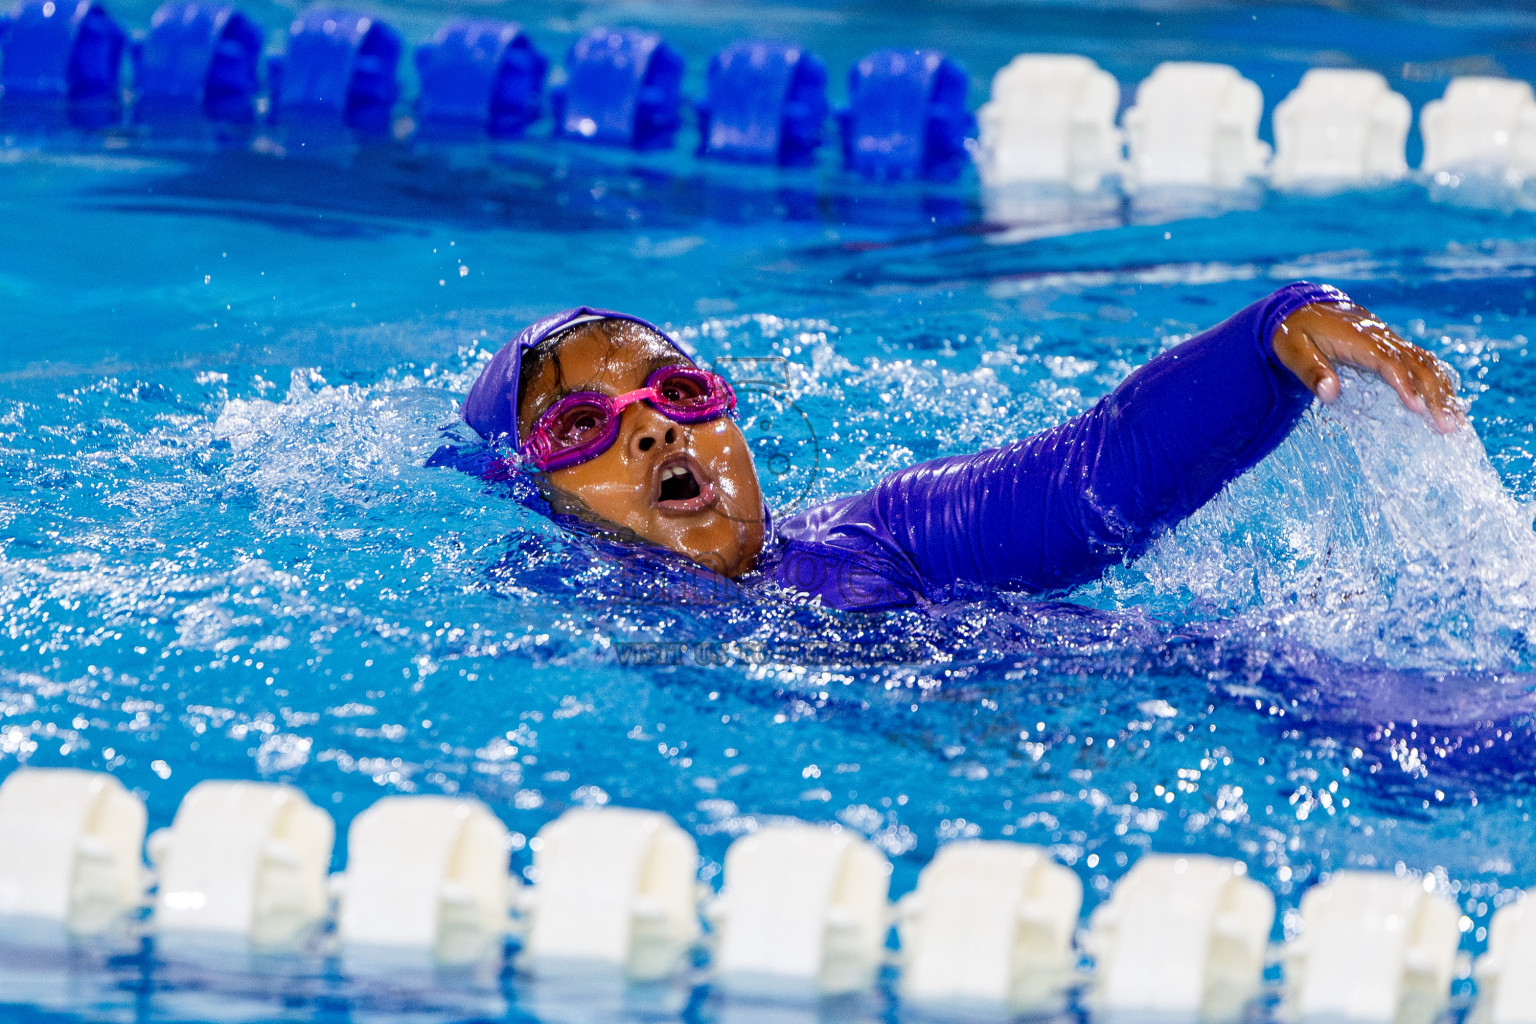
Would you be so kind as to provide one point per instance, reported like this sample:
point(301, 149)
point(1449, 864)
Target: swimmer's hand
point(1315, 339)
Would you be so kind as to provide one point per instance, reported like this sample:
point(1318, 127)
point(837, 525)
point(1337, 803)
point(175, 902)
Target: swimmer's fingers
point(1450, 410)
point(1423, 383)
point(1436, 383)
point(1351, 335)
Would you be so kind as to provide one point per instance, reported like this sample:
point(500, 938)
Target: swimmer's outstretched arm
point(1056, 509)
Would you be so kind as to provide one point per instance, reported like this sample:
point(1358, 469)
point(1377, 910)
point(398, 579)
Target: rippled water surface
point(223, 552)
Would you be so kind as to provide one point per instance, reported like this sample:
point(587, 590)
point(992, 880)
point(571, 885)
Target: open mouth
point(681, 486)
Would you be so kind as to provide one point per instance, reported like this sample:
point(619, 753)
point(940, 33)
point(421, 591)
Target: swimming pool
point(223, 373)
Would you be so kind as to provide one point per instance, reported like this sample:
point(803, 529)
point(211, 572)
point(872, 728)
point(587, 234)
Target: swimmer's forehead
point(614, 334)
point(597, 360)
point(611, 351)
point(608, 356)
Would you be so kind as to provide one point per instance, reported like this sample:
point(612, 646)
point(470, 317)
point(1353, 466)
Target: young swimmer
point(620, 427)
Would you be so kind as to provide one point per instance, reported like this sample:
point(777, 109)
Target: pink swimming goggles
point(584, 424)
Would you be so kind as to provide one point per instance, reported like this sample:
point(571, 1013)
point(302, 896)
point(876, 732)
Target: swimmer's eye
point(684, 389)
point(578, 423)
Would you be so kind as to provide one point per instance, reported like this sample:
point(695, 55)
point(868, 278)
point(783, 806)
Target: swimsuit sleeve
point(1056, 509)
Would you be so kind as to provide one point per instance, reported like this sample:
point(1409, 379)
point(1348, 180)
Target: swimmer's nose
point(652, 430)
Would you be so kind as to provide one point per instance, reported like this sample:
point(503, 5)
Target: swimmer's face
point(711, 511)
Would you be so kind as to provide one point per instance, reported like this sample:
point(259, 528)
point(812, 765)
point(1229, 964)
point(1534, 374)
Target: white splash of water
point(320, 442)
point(1366, 536)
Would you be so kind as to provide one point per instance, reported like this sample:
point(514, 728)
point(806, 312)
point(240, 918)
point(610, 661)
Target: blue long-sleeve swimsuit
point(1058, 508)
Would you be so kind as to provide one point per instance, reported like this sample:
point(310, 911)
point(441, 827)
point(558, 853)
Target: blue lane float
point(906, 116)
point(622, 89)
point(340, 68)
point(199, 59)
point(766, 103)
point(60, 53)
point(480, 77)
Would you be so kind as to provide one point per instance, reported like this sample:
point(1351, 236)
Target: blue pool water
point(222, 553)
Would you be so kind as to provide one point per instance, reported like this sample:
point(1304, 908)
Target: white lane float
point(247, 861)
point(990, 926)
point(1051, 119)
point(1183, 935)
point(1341, 125)
point(614, 889)
point(1373, 947)
point(1506, 974)
point(1481, 125)
point(426, 874)
point(71, 847)
point(803, 911)
point(1195, 124)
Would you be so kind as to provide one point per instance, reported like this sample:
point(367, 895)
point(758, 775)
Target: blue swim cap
point(491, 405)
